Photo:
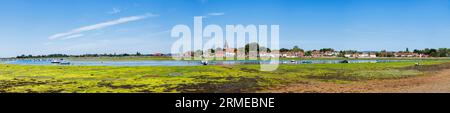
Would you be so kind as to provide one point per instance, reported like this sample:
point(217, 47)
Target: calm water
point(183, 63)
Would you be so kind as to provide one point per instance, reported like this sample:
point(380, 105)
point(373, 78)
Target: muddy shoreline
point(436, 79)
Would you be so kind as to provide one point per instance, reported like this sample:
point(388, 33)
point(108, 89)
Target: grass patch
point(217, 79)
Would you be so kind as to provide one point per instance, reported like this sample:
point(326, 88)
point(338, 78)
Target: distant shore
point(143, 58)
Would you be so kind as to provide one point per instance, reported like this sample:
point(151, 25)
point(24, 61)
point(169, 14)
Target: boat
point(293, 61)
point(56, 61)
point(344, 62)
point(204, 62)
point(60, 61)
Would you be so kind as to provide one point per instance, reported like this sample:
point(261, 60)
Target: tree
point(326, 50)
point(296, 49)
point(443, 52)
point(249, 46)
point(256, 46)
point(264, 49)
point(212, 50)
point(433, 53)
point(284, 50)
point(341, 54)
point(308, 53)
point(417, 51)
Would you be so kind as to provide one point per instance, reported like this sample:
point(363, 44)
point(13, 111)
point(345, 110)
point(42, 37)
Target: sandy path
point(433, 83)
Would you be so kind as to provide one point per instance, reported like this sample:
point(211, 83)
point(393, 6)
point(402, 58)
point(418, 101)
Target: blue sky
point(127, 26)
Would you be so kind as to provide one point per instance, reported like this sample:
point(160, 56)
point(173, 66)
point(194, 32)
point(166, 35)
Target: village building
point(229, 52)
point(157, 54)
point(316, 54)
point(226, 52)
point(320, 54)
point(408, 54)
point(352, 55)
point(330, 54)
point(292, 54)
point(367, 55)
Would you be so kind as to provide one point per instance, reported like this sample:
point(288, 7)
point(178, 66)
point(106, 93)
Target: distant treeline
point(431, 52)
point(89, 55)
point(441, 52)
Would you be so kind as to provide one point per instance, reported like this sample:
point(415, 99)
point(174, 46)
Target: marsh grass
point(186, 79)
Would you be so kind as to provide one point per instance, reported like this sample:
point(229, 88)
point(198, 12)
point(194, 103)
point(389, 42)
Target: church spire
point(226, 44)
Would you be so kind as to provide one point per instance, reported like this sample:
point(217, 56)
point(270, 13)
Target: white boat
point(60, 61)
point(204, 62)
point(56, 61)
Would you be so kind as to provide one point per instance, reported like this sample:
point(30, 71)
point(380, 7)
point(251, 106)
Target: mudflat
point(433, 82)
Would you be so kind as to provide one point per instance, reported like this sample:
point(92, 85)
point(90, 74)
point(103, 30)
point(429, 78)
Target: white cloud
point(100, 25)
point(216, 14)
point(114, 11)
point(72, 36)
point(213, 14)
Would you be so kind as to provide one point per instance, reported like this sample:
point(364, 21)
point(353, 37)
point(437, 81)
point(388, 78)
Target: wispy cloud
point(213, 14)
point(216, 14)
point(100, 26)
point(72, 36)
point(114, 11)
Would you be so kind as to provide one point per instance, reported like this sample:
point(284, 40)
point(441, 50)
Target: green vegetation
point(239, 78)
point(441, 52)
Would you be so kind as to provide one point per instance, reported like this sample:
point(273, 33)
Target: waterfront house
point(408, 54)
point(367, 55)
point(292, 54)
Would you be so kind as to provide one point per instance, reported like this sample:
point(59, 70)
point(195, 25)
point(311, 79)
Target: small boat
point(344, 61)
point(204, 62)
point(60, 61)
point(56, 61)
point(293, 61)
